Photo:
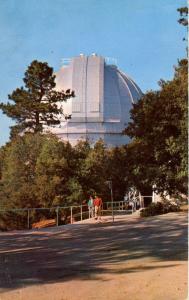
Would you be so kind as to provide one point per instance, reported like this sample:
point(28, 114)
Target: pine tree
point(36, 105)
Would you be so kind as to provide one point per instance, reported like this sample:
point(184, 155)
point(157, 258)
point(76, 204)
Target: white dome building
point(103, 98)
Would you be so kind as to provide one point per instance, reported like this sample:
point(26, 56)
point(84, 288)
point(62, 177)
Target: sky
point(143, 35)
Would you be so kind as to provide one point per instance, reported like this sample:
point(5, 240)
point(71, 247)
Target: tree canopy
point(183, 15)
point(38, 103)
point(159, 130)
point(40, 170)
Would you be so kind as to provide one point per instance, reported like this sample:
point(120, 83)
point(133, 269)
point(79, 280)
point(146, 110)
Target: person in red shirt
point(98, 206)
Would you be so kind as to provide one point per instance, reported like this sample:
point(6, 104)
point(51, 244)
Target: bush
point(159, 208)
point(11, 220)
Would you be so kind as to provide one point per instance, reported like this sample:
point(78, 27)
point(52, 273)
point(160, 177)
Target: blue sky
point(143, 35)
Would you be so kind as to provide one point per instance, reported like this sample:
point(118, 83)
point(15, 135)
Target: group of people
point(95, 207)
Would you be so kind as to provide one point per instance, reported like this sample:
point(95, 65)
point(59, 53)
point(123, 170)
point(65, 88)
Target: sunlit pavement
point(130, 258)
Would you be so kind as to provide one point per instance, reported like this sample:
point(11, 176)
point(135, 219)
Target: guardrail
point(32, 216)
point(59, 215)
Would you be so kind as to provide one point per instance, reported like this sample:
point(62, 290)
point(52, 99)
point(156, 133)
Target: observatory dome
point(103, 98)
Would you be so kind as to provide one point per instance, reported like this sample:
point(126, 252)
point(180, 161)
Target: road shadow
point(87, 251)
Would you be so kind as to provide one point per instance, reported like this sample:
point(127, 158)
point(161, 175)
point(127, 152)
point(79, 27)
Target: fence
point(22, 218)
point(27, 218)
point(118, 206)
point(129, 206)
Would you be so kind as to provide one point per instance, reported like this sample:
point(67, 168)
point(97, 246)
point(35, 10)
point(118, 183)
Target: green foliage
point(183, 13)
point(158, 153)
point(183, 20)
point(35, 105)
point(17, 185)
point(95, 168)
point(40, 170)
point(140, 170)
point(159, 208)
point(10, 220)
point(118, 171)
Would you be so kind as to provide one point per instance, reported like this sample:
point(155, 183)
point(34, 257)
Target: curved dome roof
point(103, 98)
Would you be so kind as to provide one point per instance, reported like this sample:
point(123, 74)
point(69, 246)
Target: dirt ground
point(132, 259)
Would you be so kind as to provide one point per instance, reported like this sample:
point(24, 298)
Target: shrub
point(11, 220)
point(159, 208)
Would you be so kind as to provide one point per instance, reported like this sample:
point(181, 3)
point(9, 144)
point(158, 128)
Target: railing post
point(81, 212)
point(28, 219)
point(57, 211)
point(71, 221)
point(142, 201)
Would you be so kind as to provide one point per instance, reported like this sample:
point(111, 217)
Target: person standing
point(91, 207)
point(98, 207)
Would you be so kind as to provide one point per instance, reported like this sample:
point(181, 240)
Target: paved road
point(131, 259)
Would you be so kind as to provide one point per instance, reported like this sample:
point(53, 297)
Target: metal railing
point(117, 206)
point(59, 215)
point(27, 218)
